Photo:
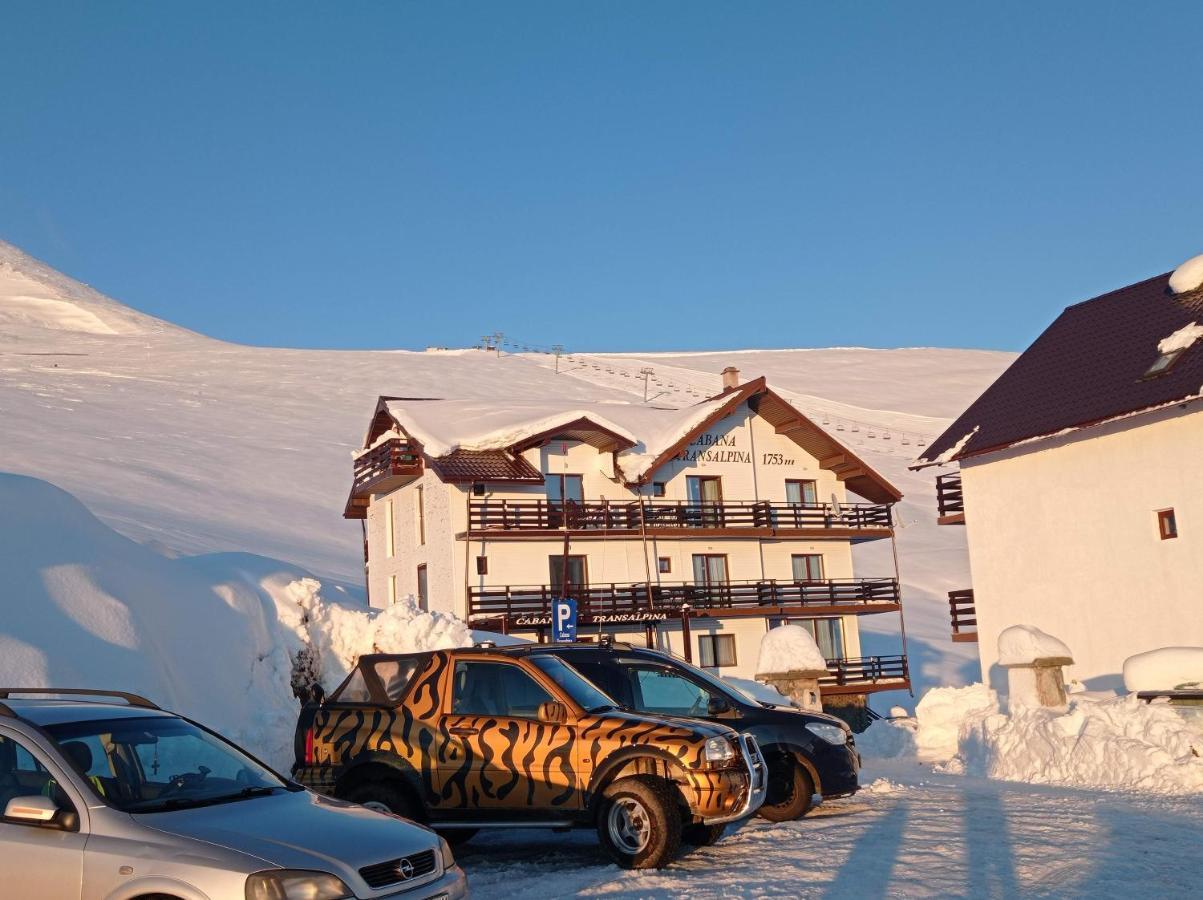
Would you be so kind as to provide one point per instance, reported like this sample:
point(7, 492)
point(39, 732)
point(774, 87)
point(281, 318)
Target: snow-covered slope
point(181, 441)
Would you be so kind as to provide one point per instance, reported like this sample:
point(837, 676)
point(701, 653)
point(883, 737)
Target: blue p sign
point(564, 619)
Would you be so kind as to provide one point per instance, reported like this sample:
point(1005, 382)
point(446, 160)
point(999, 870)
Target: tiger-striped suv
point(501, 737)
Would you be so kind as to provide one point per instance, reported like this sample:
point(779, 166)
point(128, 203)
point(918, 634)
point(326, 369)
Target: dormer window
point(1163, 363)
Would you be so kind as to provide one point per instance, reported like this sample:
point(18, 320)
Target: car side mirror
point(717, 706)
point(38, 810)
point(553, 712)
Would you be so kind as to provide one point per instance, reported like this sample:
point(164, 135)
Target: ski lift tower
point(646, 373)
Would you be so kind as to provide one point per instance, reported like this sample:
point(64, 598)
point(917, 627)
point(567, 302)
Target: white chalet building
point(1080, 485)
point(692, 530)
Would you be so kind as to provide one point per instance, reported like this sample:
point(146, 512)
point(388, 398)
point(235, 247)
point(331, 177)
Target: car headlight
point(832, 734)
point(295, 884)
point(448, 856)
point(719, 749)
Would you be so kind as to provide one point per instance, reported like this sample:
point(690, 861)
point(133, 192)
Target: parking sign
point(564, 619)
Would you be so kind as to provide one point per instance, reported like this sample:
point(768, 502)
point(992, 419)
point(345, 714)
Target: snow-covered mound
point(215, 637)
point(1188, 276)
point(789, 648)
point(1164, 669)
point(1022, 645)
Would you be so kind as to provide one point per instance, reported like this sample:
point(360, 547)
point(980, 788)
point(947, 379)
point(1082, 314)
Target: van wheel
point(387, 797)
point(702, 835)
point(790, 793)
point(638, 822)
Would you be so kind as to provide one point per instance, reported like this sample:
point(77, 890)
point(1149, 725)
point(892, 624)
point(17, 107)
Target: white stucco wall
point(1063, 535)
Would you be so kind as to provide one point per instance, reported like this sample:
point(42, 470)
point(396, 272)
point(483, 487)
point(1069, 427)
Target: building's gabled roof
point(1087, 368)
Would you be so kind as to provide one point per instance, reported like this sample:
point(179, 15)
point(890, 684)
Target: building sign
point(639, 617)
point(724, 448)
point(564, 613)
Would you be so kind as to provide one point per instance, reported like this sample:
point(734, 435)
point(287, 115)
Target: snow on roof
point(1188, 276)
point(444, 426)
point(1022, 645)
point(1182, 339)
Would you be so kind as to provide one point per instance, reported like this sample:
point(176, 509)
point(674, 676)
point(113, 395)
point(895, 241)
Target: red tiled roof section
point(1087, 367)
point(462, 466)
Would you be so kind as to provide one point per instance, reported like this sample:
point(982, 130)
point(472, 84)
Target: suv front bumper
point(757, 777)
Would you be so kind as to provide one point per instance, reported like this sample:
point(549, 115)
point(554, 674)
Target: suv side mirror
point(38, 810)
point(717, 706)
point(553, 712)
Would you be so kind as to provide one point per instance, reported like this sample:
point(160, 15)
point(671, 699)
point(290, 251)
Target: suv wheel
point(638, 822)
point(790, 792)
point(387, 797)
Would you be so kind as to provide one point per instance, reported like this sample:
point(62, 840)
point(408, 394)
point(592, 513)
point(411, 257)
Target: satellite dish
point(835, 506)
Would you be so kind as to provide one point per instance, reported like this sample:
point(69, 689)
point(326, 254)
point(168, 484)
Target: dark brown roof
point(1085, 369)
point(463, 466)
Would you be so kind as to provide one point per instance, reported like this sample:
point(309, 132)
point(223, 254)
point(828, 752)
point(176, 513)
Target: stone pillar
point(1038, 683)
point(800, 685)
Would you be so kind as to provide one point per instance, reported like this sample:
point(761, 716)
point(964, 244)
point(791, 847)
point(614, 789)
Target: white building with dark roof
point(693, 529)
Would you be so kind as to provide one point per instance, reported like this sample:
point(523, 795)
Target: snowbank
point(943, 712)
point(1164, 669)
point(888, 739)
point(1188, 276)
point(789, 648)
point(1024, 644)
point(1115, 744)
point(222, 638)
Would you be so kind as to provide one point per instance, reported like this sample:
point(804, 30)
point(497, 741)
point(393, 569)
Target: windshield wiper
point(171, 803)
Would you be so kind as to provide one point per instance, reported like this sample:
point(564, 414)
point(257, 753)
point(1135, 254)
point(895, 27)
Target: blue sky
point(611, 175)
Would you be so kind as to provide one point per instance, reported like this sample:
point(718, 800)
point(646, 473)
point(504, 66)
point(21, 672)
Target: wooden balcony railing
point(537, 515)
point(950, 499)
point(892, 671)
point(386, 465)
point(850, 595)
point(964, 615)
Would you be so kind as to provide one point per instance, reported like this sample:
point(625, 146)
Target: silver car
point(116, 801)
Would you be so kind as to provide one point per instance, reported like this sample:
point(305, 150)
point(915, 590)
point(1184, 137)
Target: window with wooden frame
point(659, 489)
point(567, 573)
point(801, 492)
point(1167, 524)
point(716, 651)
point(420, 514)
point(390, 529)
point(807, 566)
point(423, 597)
point(664, 565)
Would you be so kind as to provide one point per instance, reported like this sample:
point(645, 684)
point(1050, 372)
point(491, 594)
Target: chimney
point(730, 378)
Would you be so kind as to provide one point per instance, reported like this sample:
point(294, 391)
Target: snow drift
point(218, 637)
point(1164, 669)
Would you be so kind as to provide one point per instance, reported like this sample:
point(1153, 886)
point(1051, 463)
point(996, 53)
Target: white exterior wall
point(1063, 535)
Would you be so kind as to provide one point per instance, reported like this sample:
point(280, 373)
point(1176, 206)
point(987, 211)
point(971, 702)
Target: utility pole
point(497, 337)
point(557, 349)
point(646, 373)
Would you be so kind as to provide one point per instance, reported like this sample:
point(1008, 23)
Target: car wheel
point(387, 797)
point(702, 835)
point(790, 793)
point(457, 836)
point(638, 822)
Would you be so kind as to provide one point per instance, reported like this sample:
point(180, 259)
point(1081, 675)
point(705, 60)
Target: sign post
point(564, 620)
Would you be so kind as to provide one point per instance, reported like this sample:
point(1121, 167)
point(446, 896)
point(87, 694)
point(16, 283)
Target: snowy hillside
point(194, 445)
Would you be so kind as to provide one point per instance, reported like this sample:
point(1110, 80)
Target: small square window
point(1163, 364)
point(482, 565)
point(1167, 524)
point(664, 565)
point(659, 489)
point(478, 489)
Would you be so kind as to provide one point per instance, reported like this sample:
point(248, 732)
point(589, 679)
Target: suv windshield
point(726, 688)
point(159, 763)
point(579, 689)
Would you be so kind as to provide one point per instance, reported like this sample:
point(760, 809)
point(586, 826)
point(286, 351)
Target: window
point(664, 565)
point(423, 597)
point(801, 493)
point(22, 775)
point(828, 634)
point(392, 589)
point(807, 566)
point(659, 489)
point(496, 689)
point(482, 565)
point(565, 487)
point(706, 500)
point(1163, 364)
point(710, 573)
point(660, 690)
point(716, 650)
point(395, 675)
point(478, 490)
point(576, 571)
point(1167, 524)
point(420, 513)
point(390, 531)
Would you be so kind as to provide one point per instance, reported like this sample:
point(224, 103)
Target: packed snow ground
point(908, 833)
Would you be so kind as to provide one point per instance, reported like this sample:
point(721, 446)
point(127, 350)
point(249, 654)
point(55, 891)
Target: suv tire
point(387, 795)
point(638, 822)
point(702, 835)
point(790, 791)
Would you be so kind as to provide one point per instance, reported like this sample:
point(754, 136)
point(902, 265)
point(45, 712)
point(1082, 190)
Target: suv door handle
point(463, 730)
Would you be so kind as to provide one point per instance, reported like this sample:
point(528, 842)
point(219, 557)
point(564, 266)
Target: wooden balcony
point(386, 466)
point(950, 499)
point(667, 518)
point(529, 606)
point(964, 616)
point(866, 675)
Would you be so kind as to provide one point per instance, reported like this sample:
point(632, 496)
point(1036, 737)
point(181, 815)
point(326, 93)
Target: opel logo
point(406, 868)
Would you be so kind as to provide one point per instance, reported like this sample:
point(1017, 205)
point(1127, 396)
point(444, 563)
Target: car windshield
point(728, 690)
point(578, 687)
point(158, 763)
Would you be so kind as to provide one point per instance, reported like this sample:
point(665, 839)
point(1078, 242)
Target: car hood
point(299, 830)
point(700, 727)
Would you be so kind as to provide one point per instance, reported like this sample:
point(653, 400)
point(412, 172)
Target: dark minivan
point(808, 753)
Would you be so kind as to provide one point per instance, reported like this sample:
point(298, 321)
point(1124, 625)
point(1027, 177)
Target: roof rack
point(131, 699)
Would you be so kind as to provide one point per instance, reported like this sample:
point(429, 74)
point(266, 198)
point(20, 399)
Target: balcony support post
point(685, 633)
point(898, 580)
